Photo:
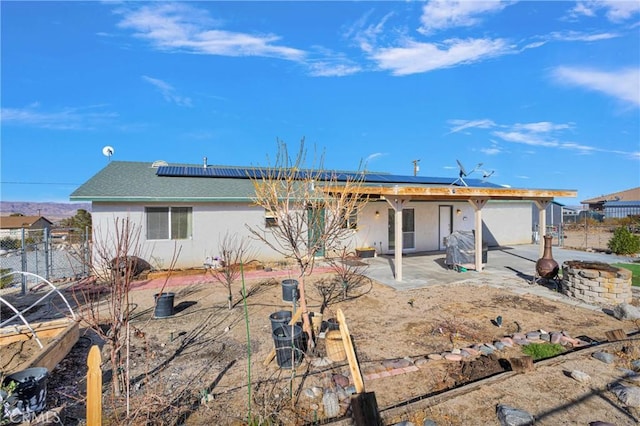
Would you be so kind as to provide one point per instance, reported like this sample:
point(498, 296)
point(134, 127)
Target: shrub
point(624, 242)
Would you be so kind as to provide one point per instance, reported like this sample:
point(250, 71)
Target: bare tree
point(113, 264)
point(310, 211)
point(234, 252)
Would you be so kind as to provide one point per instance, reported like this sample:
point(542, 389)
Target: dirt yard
point(192, 368)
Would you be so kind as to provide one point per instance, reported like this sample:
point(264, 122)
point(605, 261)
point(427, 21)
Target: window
point(350, 221)
point(270, 219)
point(164, 223)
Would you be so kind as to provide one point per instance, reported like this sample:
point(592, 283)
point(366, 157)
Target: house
point(192, 206)
point(598, 203)
point(12, 226)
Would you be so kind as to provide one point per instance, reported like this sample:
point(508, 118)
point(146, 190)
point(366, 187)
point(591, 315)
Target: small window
point(350, 221)
point(270, 220)
point(164, 223)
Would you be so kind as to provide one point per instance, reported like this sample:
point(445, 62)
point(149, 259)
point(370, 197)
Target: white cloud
point(442, 14)
point(580, 36)
point(373, 157)
point(415, 57)
point(84, 118)
point(541, 127)
point(622, 84)
point(183, 28)
point(614, 10)
point(524, 138)
point(494, 150)
point(167, 91)
point(460, 125)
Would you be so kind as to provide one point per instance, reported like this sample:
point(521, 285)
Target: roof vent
point(159, 163)
point(204, 162)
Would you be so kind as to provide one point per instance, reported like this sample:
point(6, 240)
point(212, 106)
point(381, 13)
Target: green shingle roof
point(137, 181)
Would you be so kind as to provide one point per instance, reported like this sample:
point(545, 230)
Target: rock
point(486, 350)
point(499, 345)
point(330, 403)
point(434, 357)
point(507, 341)
point(518, 336)
point(628, 395)
point(350, 390)
point(453, 357)
point(605, 357)
point(490, 346)
point(625, 311)
point(534, 335)
point(396, 363)
point(636, 364)
point(456, 351)
point(580, 376)
point(545, 336)
point(472, 351)
point(308, 393)
point(509, 416)
point(340, 380)
point(321, 362)
point(541, 331)
point(555, 337)
point(404, 423)
point(465, 353)
point(421, 362)
point(630, 375)
point(429, 422)
point(521, 342)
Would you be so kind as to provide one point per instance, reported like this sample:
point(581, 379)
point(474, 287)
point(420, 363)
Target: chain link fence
point(53, 256)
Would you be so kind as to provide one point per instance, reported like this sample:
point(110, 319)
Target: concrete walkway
point(510, 267)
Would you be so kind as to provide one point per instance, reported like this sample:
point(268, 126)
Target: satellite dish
point(463, 173)
point(108, 151)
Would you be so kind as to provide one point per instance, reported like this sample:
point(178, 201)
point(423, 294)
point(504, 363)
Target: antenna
point(486, 175)
point(416, 168)
point(108, 151)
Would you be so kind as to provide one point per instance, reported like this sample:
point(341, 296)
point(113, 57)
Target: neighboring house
point(12, 226)
point(191, 207)
point(598, 203)
point(570, 214)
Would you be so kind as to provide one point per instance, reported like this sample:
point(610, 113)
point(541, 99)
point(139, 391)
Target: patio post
point(478, 204)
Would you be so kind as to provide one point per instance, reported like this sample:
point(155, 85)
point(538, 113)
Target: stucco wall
point(209, 225)
point(507, 223)
point(504, 223)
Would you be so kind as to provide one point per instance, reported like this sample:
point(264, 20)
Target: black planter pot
point(164, 305)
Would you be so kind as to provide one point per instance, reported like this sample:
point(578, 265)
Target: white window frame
point(167, 234)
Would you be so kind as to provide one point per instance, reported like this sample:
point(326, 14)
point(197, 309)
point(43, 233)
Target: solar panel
point(339, 176)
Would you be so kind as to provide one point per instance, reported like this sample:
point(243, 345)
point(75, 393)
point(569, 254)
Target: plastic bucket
point(279, 319)
point(289, 290)
point(30, 395)
point(164, 305)
point(290, 345)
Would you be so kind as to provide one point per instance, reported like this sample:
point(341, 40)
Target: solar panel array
point(339, 176)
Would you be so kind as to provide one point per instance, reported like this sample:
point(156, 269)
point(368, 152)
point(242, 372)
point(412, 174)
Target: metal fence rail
point(38, 252)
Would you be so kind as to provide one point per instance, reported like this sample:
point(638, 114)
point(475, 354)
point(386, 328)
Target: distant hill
point(52, 211)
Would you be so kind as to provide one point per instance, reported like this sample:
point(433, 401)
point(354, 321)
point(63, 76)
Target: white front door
point(446, 226)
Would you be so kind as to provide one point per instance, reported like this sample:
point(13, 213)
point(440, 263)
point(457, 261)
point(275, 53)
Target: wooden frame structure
point(397, 196)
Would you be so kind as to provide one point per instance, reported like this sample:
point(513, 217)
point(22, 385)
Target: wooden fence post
point(94, 387)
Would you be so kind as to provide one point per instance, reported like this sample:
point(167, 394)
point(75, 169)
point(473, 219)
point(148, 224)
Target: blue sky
point(545, 94)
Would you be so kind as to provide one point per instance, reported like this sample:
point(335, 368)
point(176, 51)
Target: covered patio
point(397, 196)
point(504, 265)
